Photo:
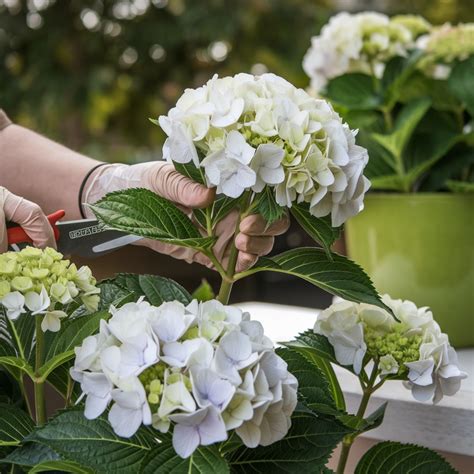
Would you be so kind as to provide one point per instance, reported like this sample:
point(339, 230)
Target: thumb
point(30, 216)
point(164, 180)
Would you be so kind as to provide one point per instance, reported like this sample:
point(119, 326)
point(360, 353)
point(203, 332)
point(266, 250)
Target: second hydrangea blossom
point(247, 132)
point(205, 368)
point(414, 349)
point(41, 282)
point(361, 42)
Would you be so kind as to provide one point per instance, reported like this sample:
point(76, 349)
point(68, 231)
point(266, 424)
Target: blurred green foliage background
point(89, 73)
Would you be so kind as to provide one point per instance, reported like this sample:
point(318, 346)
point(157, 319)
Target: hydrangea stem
point(40, 402)
point(349, 439)
point(227, 283)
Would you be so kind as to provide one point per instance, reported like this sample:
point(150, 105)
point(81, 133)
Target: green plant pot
point(420, 247)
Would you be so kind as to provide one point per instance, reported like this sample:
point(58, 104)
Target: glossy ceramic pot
point(421, 247)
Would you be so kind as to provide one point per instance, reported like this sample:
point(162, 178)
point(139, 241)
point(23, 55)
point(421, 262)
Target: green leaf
point(220, 208)
point(398, 71)
point(16, 337)
point(305, 449)
point(354, 91)
point(318, 228)
point(17, 363)
point(460, 83)
point(158, 289)
point(437, 90)
point(405, 124)
point(15, 425)
point(155, 288)
point(398, 458)
point(319, 352)
point(54, 363)
point(203, 292)
point(141, 212)
point(190, 171)
point(60, 466)
point(60, 379)
point(163, 459)
point(111, 294)
point(361, 425)
point(375, 419)
point(313, 386)
point(93, 443)
point(72, 333)
point(451, 166)
point(339, 275)
point(267, 206)
point(94, 446)
point(31, 454)
point(460, 186)
point(10, 392)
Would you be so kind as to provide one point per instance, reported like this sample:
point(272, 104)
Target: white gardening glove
point(28, 215)
point(254, 239)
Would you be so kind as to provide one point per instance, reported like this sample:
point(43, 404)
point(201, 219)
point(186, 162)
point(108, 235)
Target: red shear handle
point(16, 235)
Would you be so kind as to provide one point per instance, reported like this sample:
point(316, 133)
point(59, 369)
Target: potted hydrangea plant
point(155, 380)
point(407, 86)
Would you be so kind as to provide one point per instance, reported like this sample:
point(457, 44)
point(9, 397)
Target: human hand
point(28, 215)
point(253, 240)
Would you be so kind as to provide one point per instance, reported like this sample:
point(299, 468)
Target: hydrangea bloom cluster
point(445, 45)
point(361, 42)
point(41, 281)
point(248, 132)
point(205, 368)
point(413, 349)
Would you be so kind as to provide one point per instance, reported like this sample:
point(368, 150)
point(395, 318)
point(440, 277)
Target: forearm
point(41, 170)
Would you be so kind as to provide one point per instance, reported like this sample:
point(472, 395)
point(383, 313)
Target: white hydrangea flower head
point(200, 370)
point(40, 282)
point(413, 348)
point(361, 42)
point(262, 132)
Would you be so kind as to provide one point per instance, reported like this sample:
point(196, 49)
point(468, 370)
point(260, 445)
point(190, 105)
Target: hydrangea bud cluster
point(445, 45)
point(413, 349)
point(248, 132)
point(204, 368)
point(41, 281)
point(361, 42)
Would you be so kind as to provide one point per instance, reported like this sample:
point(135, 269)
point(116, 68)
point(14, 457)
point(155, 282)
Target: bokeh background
point(89, 73)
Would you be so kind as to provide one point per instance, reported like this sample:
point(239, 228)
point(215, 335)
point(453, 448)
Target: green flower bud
point(4, 288)
point(153, 398)
point(57, 291)
point(156, 386)
point(416, 24)
point(39, 273)
point(91, 302)
point(54, 254)
point(7, 266)
point(31, 252)
point(191, 333)
point(22, 284)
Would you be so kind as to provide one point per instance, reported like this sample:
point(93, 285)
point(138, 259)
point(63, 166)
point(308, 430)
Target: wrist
point(95, 185)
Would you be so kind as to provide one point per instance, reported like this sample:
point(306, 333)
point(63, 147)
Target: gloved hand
point(27, 214)
point(253, 241)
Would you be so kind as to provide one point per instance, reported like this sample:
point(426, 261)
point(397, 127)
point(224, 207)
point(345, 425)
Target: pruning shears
point(84, 237)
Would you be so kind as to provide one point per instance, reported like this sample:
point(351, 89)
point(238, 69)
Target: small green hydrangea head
point(416, 24)
point(400, 346)
point(153, 378)
point(32, 269)
point(447, 44)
